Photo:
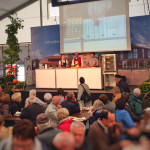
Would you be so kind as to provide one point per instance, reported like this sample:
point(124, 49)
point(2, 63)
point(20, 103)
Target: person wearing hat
point(121, 83)
point(45, 131)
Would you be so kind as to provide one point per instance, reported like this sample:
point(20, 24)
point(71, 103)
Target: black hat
point(118, 76)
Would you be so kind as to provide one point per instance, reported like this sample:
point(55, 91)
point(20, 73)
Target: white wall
point(31, 17)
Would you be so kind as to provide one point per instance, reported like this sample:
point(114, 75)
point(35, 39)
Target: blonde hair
point(16, 97)
point(32, 92)
point(62, 113)
point(116, 89)
point(98, 105)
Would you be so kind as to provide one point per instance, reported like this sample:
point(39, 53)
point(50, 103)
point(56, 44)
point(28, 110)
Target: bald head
point(64, 141)
point(56, 100)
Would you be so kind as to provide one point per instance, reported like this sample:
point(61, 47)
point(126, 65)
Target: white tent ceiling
point(6, 6)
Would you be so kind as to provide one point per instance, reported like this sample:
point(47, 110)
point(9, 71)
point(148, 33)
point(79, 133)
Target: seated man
point(64, 141)
point(116, 94)
point(99, 133)
point(71, 104)
point(92, 62)
point(121, 83)
point(81, 142)
point(135, 102)
point(32, 97)
point(52, 109)
point(46, 132)
point(24, 137)
point(31, 112)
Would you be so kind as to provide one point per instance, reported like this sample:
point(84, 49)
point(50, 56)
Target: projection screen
point(96, 26)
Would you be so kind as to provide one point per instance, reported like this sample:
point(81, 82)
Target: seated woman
point(122, 115)
point(4, 104)
point(135, 103)
point(63, 63)
point(97, 109)
point(15, 104)
point(61, 93)
point(65, 122)
point(4, 132)
point(32, 98)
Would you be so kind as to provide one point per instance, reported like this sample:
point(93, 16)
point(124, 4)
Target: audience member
point(122, 115)
point(65, 122)
point(31, 112)
point(135, 103)
point(64, 141)
point(97, 109)
point(48, 98)
point(116, 93)
point(15, 103)
point(99, 133)
point(136, 118)
point(71, 104)
point(32, 97)
point(4, 103)
point(61, 93)
point(52, 109)
point(121, 83)
point(107, 103)
point(23, 137)
point(81, 142)
point(4, 132)
point(83, 89)
point(46, 132)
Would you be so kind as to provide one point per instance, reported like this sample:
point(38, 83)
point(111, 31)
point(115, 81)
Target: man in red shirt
point(77, 61)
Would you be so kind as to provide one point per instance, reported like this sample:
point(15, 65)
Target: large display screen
point(95, 26)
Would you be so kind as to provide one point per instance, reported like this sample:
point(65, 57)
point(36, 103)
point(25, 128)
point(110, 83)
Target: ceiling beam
point(17, 9)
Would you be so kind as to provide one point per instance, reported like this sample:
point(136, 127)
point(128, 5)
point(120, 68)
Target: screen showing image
point(95, 26)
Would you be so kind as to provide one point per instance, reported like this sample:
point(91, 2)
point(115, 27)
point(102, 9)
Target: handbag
point(85, 96)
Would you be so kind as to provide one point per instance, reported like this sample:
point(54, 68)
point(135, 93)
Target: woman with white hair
point(15, 104)
point(33, 99)
point(135, 103)
point(98, 107)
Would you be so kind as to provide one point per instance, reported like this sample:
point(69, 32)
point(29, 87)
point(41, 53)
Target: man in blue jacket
point(71, 104)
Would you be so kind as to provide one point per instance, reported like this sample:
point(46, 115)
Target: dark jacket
point(123, 86)
point(47, 136)
point(136, 105)
point(73, 107)
point(95, 116)
point(14, 107)
point(87, 145)
point(100, 139)
point(31, 112)
point(135, 117)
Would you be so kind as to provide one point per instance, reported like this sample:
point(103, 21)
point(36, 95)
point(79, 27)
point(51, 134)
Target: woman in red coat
point(65, 122)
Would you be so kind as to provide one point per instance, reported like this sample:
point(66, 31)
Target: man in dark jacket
point(121, 83)
point(71, 104)
point(46, 132)
point(31, 112)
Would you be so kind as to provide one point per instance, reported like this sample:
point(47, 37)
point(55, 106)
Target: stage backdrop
point(45, 43)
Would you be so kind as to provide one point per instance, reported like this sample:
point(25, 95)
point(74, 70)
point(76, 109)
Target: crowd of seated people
point(46, 125)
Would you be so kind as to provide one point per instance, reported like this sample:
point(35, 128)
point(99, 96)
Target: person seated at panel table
point(92, 61)
point(63, 63)
point(77, 61)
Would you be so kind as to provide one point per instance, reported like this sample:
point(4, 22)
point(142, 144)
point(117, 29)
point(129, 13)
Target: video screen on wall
point(95, 26)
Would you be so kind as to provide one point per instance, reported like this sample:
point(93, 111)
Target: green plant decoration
point(12, 53)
